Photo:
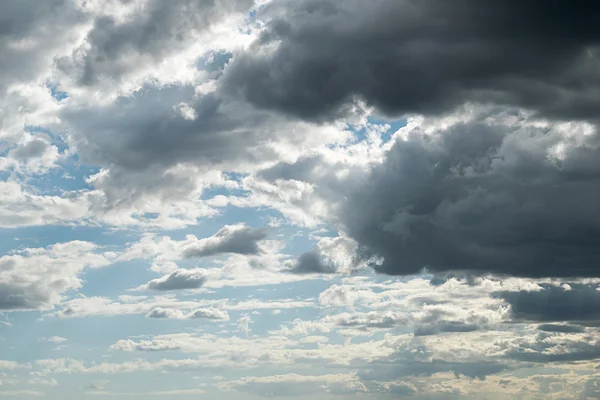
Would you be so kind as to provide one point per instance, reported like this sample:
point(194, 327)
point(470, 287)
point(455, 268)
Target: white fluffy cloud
point(36, 278)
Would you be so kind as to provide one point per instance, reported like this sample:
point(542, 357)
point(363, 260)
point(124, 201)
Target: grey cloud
point(416, 359)
point(37, 278)
point(330, 255)
point(389, 371)
point(154, 133)
point(157, 29)
point(561, 328)
point(482, 196)
point(311, 262)
point(32, 149)
point(163, 313)
point(373, 319)
point(548, 347)
point(178, 280)
point(142, 139)
point(444, 326)
point(421, 56)
point(18, 298)
point(209, 313)
point(592, 389)
point(239, 239)
point(31, 20)
point(403, 389)
point(554, 303)
point(201, 313)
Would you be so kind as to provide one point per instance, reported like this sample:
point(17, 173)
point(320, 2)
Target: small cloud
point(53, 339)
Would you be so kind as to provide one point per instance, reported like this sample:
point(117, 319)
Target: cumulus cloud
point(21, 206)
point(165, 306)
point(238, 239)
point(201, 313)
point(297, 385)
point(330, 255)
point(163, 113)
point(483, 193)
point(37, 278)
point(26, 43)
point(114, 47)
point(209, 313)
point(315, 59)
point(168, 158)
point(179, 280)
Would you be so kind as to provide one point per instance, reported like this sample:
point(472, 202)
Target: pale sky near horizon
point(311, 199)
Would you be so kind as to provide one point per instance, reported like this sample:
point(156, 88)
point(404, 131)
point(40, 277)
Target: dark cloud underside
point(423, 56)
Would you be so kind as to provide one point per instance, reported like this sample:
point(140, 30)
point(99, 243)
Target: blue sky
point(252, 199)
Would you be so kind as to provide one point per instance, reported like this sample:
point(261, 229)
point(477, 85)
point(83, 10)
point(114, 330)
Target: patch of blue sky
point(46, 235)
point(56, 93)
point(39, 129)
point(4, 148)
point(21, 344)
point(58, 181)
point(394, 124)
point(214, 61)
point(116, 279)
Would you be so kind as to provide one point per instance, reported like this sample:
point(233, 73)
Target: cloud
point(165, 313)
point(179, 280)
point(483, 191)
point(176, 392)
point(167, 306)
point(8, 365)
point(36, 278)
point(316, 59)
point(116, 47)
point(545, 347)
point(297, 385)
point(209, 313)
point(201, 313)
point(21, 206)
point(371, 319)
point(402, 388)
point(144, 172)
point(239, 239)
point(53, 339)
point(244, 325)
point(21, 393)
point(330, 255)
point(25, 42)
point(567, 302)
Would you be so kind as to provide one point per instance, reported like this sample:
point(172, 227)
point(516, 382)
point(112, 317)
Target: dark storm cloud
point(483, 197)
point(422, 56)
point(552, 304)
point(561, 328)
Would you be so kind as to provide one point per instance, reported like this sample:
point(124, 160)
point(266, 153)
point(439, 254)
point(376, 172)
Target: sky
point(299, 199)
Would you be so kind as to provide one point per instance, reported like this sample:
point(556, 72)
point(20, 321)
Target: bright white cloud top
point(310, 199)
